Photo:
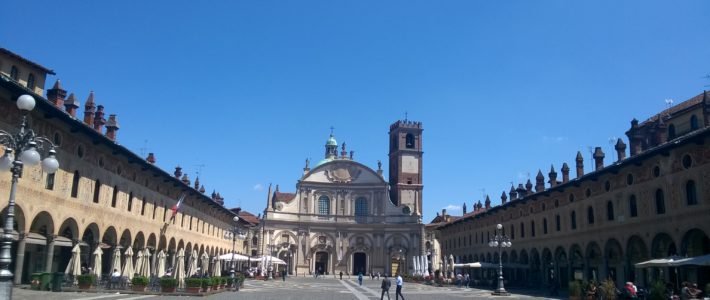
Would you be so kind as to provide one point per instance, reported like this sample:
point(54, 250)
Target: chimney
point(706, 109)
point(71, 105)
point(661, 135)
point(150, 158)
point(553, 176)
point(528, 187)
point(56, 94)
point(89, 109)
point(443, 212)
point(539, 182)
point(598, 158)
point(503, 198)
point(488, 202)
point(197, 182)
point(464, 208)
point(99, 120)
point(185, 179)
point(111, 127)
point(178, 172)
point(620, 150)
point(565, 173)
point(202, 189)
point(521, 191)
point(635, 138)
point(513, 193)
point(580, 164)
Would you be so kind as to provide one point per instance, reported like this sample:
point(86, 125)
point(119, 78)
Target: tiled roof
point(676, 108)
point(248, 217)
point(27, 61)
point(284, 197)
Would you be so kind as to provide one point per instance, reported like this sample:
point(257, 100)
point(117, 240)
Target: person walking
point(359, 278)
point(399, 288)
point(283, 275)
point(386, 284)
point(341, 275)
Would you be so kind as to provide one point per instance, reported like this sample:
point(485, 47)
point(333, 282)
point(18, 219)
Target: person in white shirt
point(115, 278)
point(399, 288)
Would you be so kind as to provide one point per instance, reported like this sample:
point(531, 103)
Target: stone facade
point(341, 217)
point(652, 204)
point(103, 195)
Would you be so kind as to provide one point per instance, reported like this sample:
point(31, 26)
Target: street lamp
point(234, 233)
point(500, 241)
point(26, 143)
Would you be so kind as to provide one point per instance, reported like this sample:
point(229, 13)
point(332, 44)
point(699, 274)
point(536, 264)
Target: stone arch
point(513, 256)
point(562, 266)
point(43, 223)
point(110, 236)
point(172, 246)
point(636, 252)
point(19, 221)
point(576, 258)
point(188, 250)
point(151, 242)
point(139, 241)
point(594, 258)
point(181, 245)
point(662, 246)
point(126, 239)
point(69, 229)
point(695, 243)
point(389, 241)
point(91, 234)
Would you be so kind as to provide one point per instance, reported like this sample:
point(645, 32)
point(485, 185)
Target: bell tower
point(405, 171)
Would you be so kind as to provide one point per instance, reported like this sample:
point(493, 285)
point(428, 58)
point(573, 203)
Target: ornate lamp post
point(500, 241)
point(234, 233)
point(25, 143)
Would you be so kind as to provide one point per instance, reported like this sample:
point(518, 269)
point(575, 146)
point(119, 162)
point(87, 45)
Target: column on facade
point(19, 258)
point(50, 253)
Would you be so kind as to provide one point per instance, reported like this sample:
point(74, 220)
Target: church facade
point(345, 217)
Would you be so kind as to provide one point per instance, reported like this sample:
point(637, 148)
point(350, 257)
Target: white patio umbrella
point(217, 269)
point(703, 260)
point(74, 266)
point(116, 260)
point(237, 257)
point(266, 259)
point(97, 262)
point(179, 272)
point(205, 263)
point(128, 266)
point(660, 262)
point(139, 262)
point(145, 268)
point(161, 264)
point(192, 264)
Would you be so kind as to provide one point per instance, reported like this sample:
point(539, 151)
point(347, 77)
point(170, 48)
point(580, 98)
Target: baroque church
point(345, 217)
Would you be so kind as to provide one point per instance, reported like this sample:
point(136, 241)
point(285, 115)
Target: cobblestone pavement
point(298, 289)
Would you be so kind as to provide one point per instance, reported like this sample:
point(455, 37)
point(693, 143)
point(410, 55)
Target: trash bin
point(45, 281)
point(57, 282)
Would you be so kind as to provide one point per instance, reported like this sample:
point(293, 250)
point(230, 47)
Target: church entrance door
point(321, 265)
point(359, 263)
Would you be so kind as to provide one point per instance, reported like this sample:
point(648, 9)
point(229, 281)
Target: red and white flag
point(177, 205)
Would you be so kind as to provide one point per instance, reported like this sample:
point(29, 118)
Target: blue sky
point(249, 89)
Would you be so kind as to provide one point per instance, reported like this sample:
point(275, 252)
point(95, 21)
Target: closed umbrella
point(97, 262)
point(74, 266)
point(116, 260)
point(139, 262)
point(205, 262)
point(161, 264)
point(128, 266)
point(192, 264)
point(145, 268)
point(217, 269)
point(179, 272)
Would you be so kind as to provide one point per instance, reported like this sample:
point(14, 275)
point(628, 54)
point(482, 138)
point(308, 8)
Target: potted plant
point(240, 281)
point(168, 284)
point(85, 281)
point(575, 290)
point(657, 291)
point(206, 284)
point(608, 290)
point(216, 281)
point(193, 285)
point(230, 282)
point(139, 283)
point(223, 282)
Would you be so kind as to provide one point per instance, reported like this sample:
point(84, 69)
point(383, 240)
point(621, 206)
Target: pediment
point(345, 171)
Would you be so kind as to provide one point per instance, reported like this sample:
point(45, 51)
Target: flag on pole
point(177, 206)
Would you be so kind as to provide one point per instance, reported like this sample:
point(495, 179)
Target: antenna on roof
point(199, 169)
point(144, 149)
point(591, 154)
point(707, 76)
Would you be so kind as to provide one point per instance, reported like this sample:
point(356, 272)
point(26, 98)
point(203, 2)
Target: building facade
point(345, 217)
point(103, 195)
point(652, 204)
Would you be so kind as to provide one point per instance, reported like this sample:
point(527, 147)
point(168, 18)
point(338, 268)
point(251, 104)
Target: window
point(190, 222)
point(155, 208)
point(687, 161)
point(409, 141)
point(609, 211)
point(557, 223)
point(50, 182)
point(544, 226)
point(633, 210)
point(573, 220)
point(14, 73)
point(165, 212)
point(31, 82)
point(182, 219)
point(143, 207)
point(323, 205)
point(115, 195)
point(693, 122)
point(590, 215)
point(671, 132)
point(75, 185)
point(532, 228)
point(97, 191)
point(512, 231)
point(660, 202)
point(130, 202)
point(691, 195)
point(522, 230)
point(571, 198)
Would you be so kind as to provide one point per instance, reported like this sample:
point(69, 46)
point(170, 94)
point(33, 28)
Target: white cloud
point(258, 187)
point(553, 139)
point(452, 207)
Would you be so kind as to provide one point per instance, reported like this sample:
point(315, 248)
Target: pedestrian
point(359, 278)
point(466, 280)
point(628, 292)
point(341, 275)
point(283, 275)
point(115, 278)
point(386, 284)
point(378, 275)
point(399, 288)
